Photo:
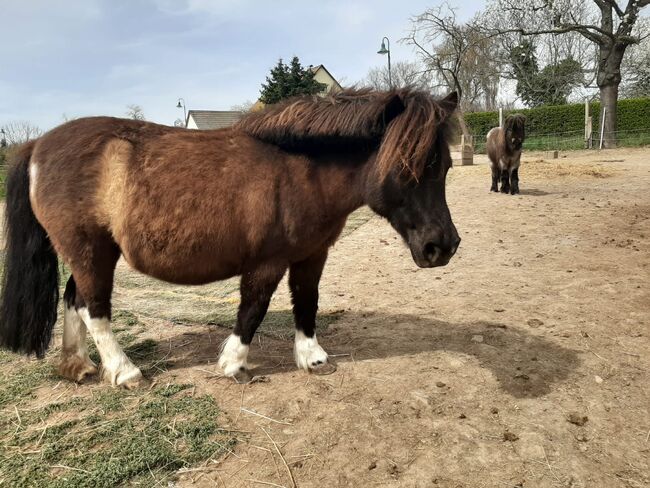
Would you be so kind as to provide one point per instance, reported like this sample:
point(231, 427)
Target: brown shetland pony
point(504, 150)
point(269, 194)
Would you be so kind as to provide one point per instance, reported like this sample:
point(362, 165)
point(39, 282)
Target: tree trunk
point(608, 100)
point(609, 78)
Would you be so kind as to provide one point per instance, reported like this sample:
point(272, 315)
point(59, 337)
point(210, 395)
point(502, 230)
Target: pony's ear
point(449, 103)
point(394, 106)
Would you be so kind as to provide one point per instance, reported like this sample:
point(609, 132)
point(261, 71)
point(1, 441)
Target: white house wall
point(191, 124)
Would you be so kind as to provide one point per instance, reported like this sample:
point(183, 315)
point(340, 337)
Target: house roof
point(214, 119)
point(315, 69)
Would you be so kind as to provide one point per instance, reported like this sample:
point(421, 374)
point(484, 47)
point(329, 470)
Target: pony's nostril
point(430, 249)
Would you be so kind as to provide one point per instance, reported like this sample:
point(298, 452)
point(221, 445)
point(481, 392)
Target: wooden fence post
point(466, 150)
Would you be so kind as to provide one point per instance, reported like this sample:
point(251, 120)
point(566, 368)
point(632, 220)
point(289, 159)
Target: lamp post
point(181, 104)
point(385, 49)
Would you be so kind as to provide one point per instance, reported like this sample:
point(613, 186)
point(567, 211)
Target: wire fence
point(572, 140)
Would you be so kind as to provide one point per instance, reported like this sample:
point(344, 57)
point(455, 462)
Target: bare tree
point(403, 73)
point(537, 64)
point(243, 107)
point(636, 66)
point(135, 112)
point(636, 82)
point(19, 131)
point(605, 23)
point(459, 54)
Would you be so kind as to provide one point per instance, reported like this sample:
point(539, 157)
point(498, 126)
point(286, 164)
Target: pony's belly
point(181, 270)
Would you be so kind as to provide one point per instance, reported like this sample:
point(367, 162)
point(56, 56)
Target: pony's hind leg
point(75, 362)
point(256, 290)
point(496, 173)
point(94, 279)
point(303, 281)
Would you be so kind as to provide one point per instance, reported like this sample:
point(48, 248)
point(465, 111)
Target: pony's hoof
point(242, 376)
point(137, 383)
point(76, 368)
point(323, 368)
point(128, 379)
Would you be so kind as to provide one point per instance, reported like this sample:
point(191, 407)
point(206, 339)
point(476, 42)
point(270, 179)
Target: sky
point(74, 58)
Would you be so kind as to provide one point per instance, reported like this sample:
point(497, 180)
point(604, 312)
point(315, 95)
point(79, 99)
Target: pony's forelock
point(409, 141)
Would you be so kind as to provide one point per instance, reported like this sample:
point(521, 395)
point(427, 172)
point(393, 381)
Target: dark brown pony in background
point(504, 150)
point(191, 207)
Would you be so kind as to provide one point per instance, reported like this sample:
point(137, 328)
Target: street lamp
point(385, 49)
point(181, 104)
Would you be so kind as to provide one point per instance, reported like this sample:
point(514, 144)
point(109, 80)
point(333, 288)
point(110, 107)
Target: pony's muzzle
point(437, 253)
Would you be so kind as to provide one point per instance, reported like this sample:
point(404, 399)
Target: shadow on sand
point(533, 192)
point(525, 365)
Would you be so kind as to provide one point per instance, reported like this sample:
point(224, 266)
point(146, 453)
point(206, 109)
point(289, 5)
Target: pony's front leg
point(117, 368)
point(303, 281)
point(256, 290)
point(514, 181)
point(505, 180)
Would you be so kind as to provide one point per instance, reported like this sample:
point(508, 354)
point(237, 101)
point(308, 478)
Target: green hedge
point(633, 114)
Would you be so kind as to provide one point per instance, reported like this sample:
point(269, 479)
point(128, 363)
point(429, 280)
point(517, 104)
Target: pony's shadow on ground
point(533, 192)
point(524, 364)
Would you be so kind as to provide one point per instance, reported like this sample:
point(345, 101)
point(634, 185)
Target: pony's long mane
point(515, 123)
point(403, 124)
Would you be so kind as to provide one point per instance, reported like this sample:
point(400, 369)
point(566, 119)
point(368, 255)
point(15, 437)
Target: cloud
point(91, 57)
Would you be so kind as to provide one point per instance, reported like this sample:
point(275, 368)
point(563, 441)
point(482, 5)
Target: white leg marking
point(75, 362)
point(307, 352)
point(33, 172)
point(74, 334)
point(118, 368)
point(233, 355)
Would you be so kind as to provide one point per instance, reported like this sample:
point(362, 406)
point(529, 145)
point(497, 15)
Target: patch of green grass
point(125, 317)
point(15, 386)
point(119, 437)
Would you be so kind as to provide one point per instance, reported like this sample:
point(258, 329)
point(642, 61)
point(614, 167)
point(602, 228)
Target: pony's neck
point(343, 185)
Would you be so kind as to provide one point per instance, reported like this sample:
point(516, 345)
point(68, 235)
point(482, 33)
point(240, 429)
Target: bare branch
point(20, 131)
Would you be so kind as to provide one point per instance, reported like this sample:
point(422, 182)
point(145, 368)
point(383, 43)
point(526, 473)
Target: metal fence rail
point(572, 140)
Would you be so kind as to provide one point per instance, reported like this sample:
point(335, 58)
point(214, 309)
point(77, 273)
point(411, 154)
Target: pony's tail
point(30, 282)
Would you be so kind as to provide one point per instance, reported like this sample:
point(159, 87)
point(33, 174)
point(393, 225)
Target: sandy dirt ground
point(523, 363)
